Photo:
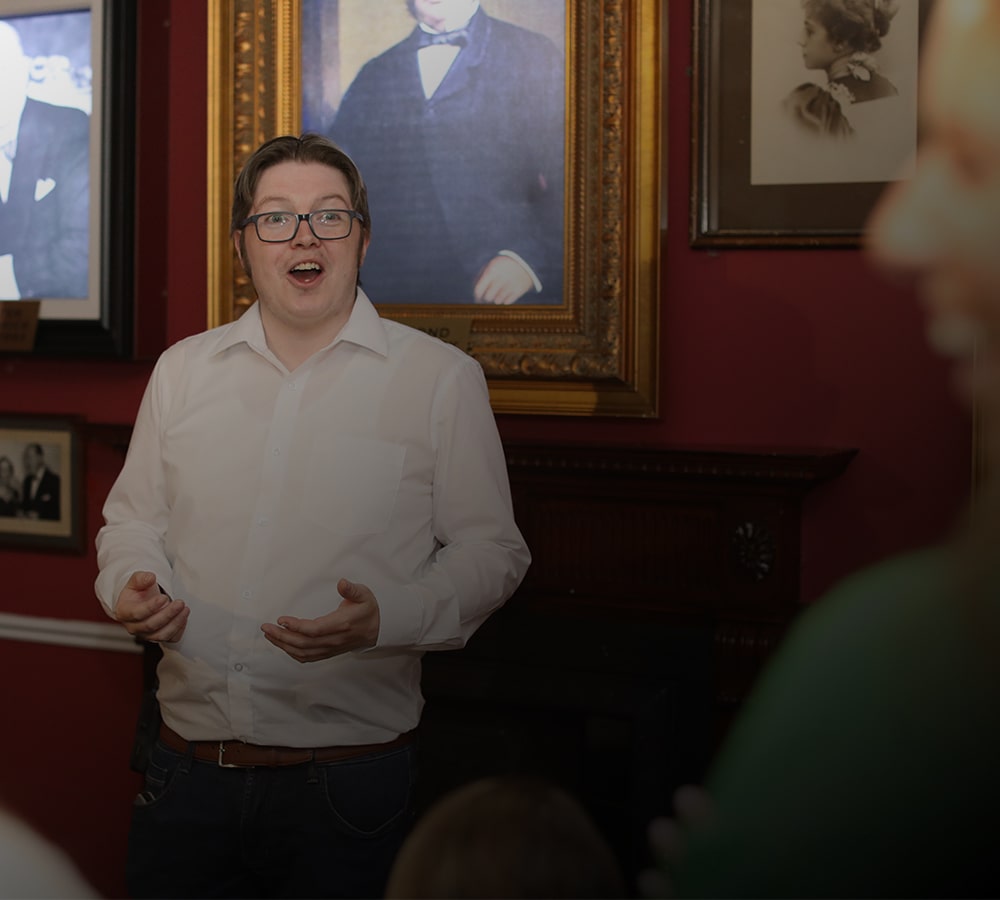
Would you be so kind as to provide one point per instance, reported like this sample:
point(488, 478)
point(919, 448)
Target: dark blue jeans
point(311, 830)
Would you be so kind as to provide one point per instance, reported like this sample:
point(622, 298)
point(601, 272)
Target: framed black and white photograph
point(804, 111)
point(41, 490)
point(67, 110)
point(550, 170)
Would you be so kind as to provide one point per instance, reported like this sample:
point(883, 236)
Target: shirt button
point(276, 451)
point(262, 521)
point(247, 595)
point(238, 667)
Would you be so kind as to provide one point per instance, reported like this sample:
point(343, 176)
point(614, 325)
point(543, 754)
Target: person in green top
point(867, 760)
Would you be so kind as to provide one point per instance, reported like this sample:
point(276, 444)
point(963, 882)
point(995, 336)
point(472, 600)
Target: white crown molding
point(67, 633)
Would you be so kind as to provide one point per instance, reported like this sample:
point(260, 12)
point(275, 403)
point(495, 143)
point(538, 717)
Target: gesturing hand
point(351, 626)
point(149, 614)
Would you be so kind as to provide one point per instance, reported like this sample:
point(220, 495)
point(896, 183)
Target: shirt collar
point(364, 328)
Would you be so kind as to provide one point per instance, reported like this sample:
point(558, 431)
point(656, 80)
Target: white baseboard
point(67, 633)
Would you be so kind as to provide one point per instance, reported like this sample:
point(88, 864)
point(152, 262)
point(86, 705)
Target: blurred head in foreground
point(506, 837)
point(942, 227)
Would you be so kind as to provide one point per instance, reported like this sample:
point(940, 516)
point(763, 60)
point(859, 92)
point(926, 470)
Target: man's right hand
point(148, 613)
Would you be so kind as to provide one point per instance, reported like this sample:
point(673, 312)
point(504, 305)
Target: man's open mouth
point(306, 272)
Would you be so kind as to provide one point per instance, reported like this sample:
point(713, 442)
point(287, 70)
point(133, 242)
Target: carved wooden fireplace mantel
point(661, 578)
point(668, 530)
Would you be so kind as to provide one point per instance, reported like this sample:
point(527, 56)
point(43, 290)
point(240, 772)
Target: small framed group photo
point(41, 504)
point(67, 114)
point(803, 113)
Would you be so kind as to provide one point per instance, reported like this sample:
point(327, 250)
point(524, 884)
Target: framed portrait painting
point(41, 491)
point(67, 81)
point(799, 123)
point(512, 169)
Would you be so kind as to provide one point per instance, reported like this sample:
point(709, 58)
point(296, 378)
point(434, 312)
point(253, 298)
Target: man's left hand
point(351, 626)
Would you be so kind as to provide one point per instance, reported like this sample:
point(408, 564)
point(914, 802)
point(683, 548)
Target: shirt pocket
point(352, 484)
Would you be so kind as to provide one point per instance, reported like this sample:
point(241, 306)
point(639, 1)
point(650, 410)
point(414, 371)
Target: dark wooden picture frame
point(727, 208)
point(53, 519)
point(100, 324)
point(596, 353)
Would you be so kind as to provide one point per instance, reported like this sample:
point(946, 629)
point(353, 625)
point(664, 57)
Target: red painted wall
point(765, 348)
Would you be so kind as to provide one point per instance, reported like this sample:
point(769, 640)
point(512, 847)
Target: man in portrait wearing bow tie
point(459, 130)
point(44, 186)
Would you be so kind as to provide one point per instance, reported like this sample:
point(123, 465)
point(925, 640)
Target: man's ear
point(236, 246)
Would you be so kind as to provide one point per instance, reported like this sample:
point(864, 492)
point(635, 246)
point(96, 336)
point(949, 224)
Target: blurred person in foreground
point(506, 836)
point(32, 866)
point(865, 763)
point(313, 498)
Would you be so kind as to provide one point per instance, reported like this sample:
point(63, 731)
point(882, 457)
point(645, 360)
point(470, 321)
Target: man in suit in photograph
point(44, 186)
point(41, 490)
point(459, 130)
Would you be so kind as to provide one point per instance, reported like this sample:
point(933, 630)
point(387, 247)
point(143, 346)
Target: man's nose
point(304, 233)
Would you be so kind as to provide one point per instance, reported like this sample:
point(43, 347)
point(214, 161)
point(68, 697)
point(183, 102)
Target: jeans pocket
point(368, 796)
point(163, 765)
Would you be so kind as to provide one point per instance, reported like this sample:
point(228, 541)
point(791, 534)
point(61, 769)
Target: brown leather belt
point(237, 754)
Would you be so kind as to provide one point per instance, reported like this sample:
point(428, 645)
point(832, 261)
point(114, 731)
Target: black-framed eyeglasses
point(326, 224)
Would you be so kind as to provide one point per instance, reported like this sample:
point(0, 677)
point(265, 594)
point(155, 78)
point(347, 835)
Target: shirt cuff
point(510, 254)
point(401, 617)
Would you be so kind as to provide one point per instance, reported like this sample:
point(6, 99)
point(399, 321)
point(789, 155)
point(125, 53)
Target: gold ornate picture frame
point(594, 354)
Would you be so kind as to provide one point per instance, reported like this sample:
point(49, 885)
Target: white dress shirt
point(249, 491)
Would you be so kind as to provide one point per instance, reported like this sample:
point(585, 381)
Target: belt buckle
point(222, 764)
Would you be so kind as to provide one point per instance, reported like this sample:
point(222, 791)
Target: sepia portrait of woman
point(842, 38)
point(834, 90)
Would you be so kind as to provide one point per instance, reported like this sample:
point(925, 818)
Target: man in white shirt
point(313, 497)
